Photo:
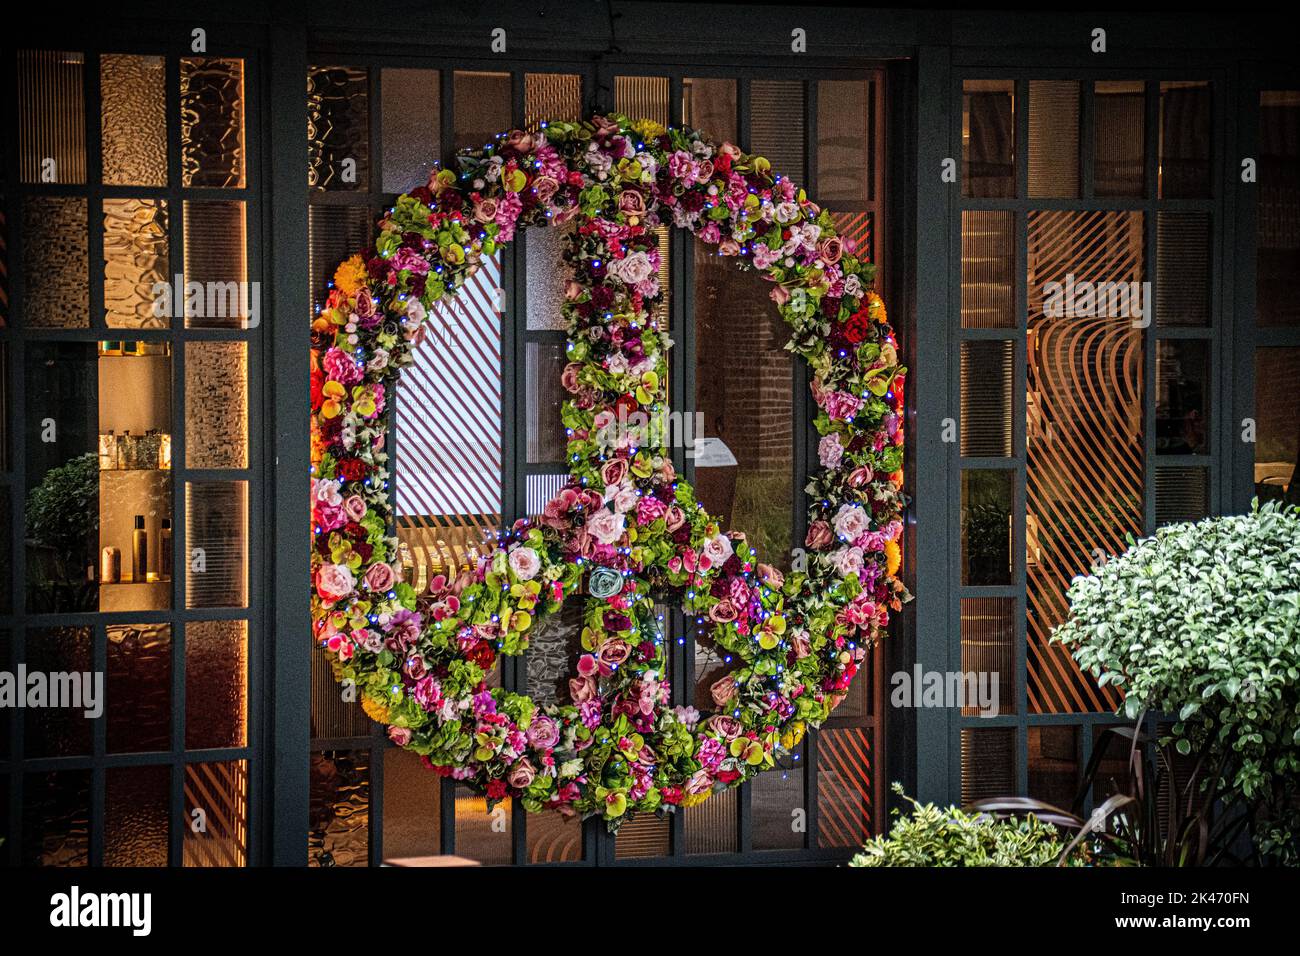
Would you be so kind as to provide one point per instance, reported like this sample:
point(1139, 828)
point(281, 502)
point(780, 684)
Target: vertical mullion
point(1020, 436)
point(1087, 139)
point(94, 192)
point(1150, 206)
point(98, 747)
point(805, 438)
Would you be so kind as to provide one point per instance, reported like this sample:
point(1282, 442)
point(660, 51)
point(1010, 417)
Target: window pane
point(551, 96)
point(136, 264)
point(1054, 765)
point(988, 248)
point(51, 117)
point(216, 404)
point(711, 826)
point(339, 828)
point(642, 97)
point(56, 257)
point(844, 140)
point(216, 260)
point(217, 536)
point(57, 731)
point(644, 836)
point(338, 127)
point(1184, 140)
point(220, 790)
point(412, 802)
point(988, 764)
point(986, 497)
point(1119, 162)
point(483, 108)
point(1183, 268)
point(1277, 228)
point(212, 122)
point(777, 111)
point(333, 234)
point(135, 816)
point(412, 127)
point(547, 275)
point(709, 105)
point(555, 644)
point(777, 804)
point(216, 684)
point(845, 765)
point(56, 818)
point(855, 228)
point(544, 361)
point(1277, 417)
point(553, 838)
point(133, 114)
point(482, 834)
point(1182, 494)
point(988, 650)
point(987, 413)
point(139, 687)
point(1054, 138)
point(1182, 396)
point(989, 138)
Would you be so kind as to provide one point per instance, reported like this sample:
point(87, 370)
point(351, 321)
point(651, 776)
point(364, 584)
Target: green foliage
point(1202, 622)
point(932, 836)
point(63, 510)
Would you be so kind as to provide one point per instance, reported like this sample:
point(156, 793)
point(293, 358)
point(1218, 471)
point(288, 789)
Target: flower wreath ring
point(625, 530)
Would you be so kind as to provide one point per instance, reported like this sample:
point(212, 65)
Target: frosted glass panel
point(56, 293)
point(212, 122)
point(133, 114)
point(51, 117)
point(216, 684)
point(217, 528)
point(136, 260)
point(135, 816)
point(412, 112)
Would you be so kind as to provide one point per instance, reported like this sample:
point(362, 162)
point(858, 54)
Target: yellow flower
point(648, 129)
point(893, 557)
point(334, 393)
point(695, 799)
point(363, 401)
point(375, 710)
point(351, 276)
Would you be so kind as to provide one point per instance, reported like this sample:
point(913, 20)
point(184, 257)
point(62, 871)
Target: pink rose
point(380, 577)
point(569, 377)
point(545, 188)
point(725, 726)
point(543, 732)
point(770, 576)
point(613, 471)
point(581, 689)
point(800, 644)
point(779, 294)
point(631, 203)
point(355, 508)
point(700, 782)
point(613, 653)
point(830, 249)
point(334, 582)
point(847, 560)
point(819, 535)
point(485, 210)
point(605, 526)
point(342, 367)
point(851, 522)
point(400, 735)
point(522, 774)
point(723, 612)
point(861, 476)
point(723, 690)
point(717, 549)
point(519, 140)
point(525, 563)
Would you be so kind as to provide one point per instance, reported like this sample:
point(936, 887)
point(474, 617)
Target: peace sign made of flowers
point(625, 529)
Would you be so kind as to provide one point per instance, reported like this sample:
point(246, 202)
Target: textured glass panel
point(1277, 221)
point(135, 816)
point(412, 126)
point(744, 388)
point(553, 647)
point(709, 105)
point(51, 117)
point(216, 684)
point(712, 826)
point(1182, 494)
point(987, 413)
point(777, 804)
point(1183, 268)
point(844, 799)
point(220, 790)
point(1084, 396)
point(56, 818)
point(544, 361)
point(338, 127)
point(551, 96)
point(988, 650)
point(62, 476)
point(988, 247)
point(339, 823)
point(412, 798)
point(553, 838)
point(6, 664)
point(1185, 128)
point(547, 274)
point(59, 731)
point(844, 146)
point(482, 834)
point(1277, 417)
point(1054, 765)
point(1119, 155)
point(644, 836)
point(988, 138)
point(136, 261)
point(1182, 396)
point(139, 680)
point(133, 113)
point(5, 263)
point(135, 480)
point(988, 764)
point(642, 97)
point(216, 404)
point(482, 107)
point(212, 122)
point(216, 258)
point(56, 283)
point(986, 497)
point(777, 125)
point(1054, 138)
point(541, 489)
point(6, 557)
point(333, 234)
point(332, 716)
point(217, 529)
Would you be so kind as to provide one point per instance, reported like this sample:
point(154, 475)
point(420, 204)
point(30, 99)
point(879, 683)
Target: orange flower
point(351, 276)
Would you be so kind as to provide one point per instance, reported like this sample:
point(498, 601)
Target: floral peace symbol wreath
point(625, 530)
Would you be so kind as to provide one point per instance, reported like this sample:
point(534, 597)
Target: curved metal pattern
point(1084, 436)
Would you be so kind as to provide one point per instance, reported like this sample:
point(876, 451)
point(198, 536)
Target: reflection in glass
point(333, 234)
point(988, 138)
point(56, 262)
point(212, 122)
point(986, 497)
point(1185, 110)
point(1119, 159)
point(1277, 417)
point(1277, 219)
point(139, 686)
point(56, 818)
point(482, 834)
point(544, 363)
point(216, 684)
point(58, 731)
point(482, 107)
point(645, 836)
point(1054, 764)
point(135, 816)
point(338, 831)
point(412, 126)
point(1182, 393)
point(988, 248)
point(220, 790)
point(554, 839)
point(217, 528)
point(844, 141)
point(778, 806)
point(338, 127)
point(709, 105)
point(1054, 138)
point(136, 261)
point(133, 119)
point(51, 117)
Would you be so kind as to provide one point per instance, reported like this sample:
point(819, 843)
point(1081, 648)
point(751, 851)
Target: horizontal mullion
point(993, 464)
point(345, 197)
point(110, 618)
point(216, 474)
point(1098, 204)
point(1186, 461)
point(1007, 333)
point(990, 591)
point(148, 758)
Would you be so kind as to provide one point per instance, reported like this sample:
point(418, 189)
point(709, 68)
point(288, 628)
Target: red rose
point(482, 654)
point(352, 469)
point(496, 789)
